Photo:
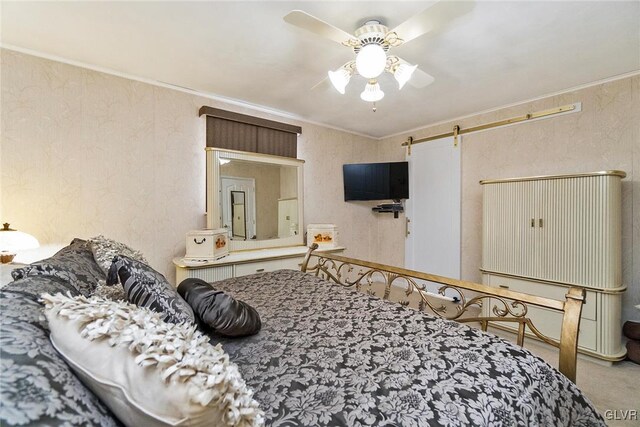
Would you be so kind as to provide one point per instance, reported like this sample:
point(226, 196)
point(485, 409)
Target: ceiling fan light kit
point(372, 41)
point(340, 78)
point(371, 61)
point(403, 73)
point(372, 92)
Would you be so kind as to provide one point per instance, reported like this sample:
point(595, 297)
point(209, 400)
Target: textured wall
point(605, 135)
point(84, 153)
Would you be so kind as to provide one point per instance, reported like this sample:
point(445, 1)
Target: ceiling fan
point(372, 41)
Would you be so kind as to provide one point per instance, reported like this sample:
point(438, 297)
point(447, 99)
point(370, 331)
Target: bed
point(328, 355)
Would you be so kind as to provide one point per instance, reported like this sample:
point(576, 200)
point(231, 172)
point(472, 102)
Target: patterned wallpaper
point(86, 153)
point(604, 135)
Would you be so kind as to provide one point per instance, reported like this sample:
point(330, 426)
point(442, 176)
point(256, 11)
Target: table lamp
point(13, 240)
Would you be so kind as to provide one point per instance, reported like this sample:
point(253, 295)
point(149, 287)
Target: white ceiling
point(500, 53)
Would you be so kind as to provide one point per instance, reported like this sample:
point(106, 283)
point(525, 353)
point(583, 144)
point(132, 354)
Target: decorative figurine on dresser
point(542, 235)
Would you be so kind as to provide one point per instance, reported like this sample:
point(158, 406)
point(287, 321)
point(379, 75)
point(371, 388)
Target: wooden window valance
point(234, 131)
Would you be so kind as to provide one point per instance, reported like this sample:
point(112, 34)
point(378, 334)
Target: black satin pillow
point(221, 312)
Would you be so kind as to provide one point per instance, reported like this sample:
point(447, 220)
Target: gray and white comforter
point(328, 356)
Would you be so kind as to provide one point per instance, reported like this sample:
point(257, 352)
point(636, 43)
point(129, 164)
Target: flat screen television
point(376, 181)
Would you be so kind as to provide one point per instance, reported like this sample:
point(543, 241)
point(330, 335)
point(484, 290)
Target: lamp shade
point(372, 92)
point(339, 79)
point(371, 61)
point(13, 240)
point(403, 73)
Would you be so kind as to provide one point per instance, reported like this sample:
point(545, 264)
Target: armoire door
point(577, 242)
point(509, 227)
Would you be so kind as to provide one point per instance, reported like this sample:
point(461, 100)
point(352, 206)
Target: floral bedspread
point(329, 356)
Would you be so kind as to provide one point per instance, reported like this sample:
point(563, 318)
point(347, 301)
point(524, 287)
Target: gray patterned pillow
point(104, 249)
point(73, 264)
point(38, 387)
point(145, 287)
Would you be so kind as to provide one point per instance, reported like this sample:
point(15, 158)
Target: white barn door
point(433, 208)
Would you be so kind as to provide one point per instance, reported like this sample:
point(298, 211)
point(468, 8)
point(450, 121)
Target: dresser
point(542, 235)
point(243, 263)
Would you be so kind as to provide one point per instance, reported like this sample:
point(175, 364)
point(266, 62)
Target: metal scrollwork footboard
point(455, 299)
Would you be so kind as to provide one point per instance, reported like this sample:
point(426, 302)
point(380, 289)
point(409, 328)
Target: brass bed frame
point(509, 306)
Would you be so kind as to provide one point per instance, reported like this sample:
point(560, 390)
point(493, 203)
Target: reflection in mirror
point(247, 186)
point(273, 198)
point(269, 199)
point(239, 223)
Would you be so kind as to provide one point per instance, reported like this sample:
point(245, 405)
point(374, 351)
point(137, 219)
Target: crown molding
point(292, 116)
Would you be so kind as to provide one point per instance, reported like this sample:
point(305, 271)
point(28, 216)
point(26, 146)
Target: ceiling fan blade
point(322, 82)
point(310, 23)
point(432, 18)
point(420, 79)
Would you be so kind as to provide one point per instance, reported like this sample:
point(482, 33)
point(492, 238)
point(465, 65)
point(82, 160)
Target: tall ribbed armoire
point(544, 234)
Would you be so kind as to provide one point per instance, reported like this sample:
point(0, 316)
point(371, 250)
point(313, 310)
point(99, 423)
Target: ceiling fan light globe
point(371, 61)
point(372, 93)
point(403, 73)
point(339, 79)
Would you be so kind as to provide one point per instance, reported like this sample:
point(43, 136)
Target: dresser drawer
point(212, 274)
point(547, 321)
point(263, 266)
point(547, 290)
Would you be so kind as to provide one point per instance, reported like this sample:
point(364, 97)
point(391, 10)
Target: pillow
point(145, 287)
point(37, 387)
point(115, 293)
point(147, 371)
point(219, 311)
point(104, 249)
point(34, 286)
point(73, 264)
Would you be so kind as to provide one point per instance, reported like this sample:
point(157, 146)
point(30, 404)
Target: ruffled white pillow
point(147, 371)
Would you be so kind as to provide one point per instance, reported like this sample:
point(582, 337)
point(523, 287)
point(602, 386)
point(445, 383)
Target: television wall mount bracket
point(395, 208)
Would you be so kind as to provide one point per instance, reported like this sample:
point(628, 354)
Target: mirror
point(238, 213)
point(256, 197)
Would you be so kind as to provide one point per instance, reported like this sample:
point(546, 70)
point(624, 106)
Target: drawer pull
point(204, 239)
point(533, 222)
point(260, 270)
point(504, 286)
